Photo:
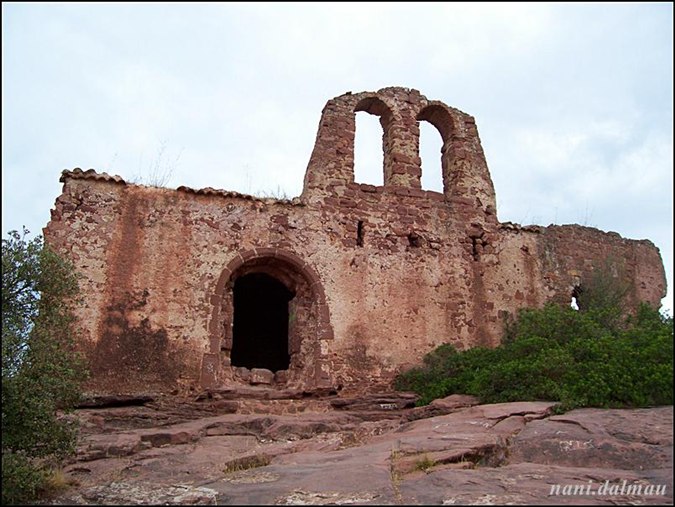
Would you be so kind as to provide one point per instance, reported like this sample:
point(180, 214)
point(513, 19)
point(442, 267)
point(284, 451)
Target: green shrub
point(21, 479)
point(580, 358)
point(40, 370)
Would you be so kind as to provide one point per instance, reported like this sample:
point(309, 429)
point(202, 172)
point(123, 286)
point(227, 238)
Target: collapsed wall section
point(574, 256)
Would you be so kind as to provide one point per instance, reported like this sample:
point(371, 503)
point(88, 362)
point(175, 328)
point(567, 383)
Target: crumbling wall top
point(91, 174)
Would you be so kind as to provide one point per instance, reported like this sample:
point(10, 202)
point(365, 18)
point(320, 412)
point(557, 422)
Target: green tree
point(41, 372)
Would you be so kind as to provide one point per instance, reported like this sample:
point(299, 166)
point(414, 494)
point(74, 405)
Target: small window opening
point(359, 233)
point(414, 240)
point(576, 292)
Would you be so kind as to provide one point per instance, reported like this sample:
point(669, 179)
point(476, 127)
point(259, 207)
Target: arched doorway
point(260, 323)
point(275, 286)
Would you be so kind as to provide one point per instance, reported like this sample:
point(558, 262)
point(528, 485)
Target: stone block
point(281, 377)
point(261, 376)
point(242, 373)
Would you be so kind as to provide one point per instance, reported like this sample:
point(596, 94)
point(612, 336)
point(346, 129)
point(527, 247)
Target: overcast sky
point(573, 102)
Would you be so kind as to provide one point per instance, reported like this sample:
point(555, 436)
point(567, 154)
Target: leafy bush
point(21, 479)
point(580, 358)
point(40, 370)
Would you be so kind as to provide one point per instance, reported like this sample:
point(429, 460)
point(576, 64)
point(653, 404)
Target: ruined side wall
point(571, 254)
point(527, 267)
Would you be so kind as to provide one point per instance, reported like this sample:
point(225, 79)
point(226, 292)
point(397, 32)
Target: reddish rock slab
point(509, 453)
point(628, 439)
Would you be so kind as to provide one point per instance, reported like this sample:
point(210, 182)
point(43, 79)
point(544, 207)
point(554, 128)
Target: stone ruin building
point(339, 288)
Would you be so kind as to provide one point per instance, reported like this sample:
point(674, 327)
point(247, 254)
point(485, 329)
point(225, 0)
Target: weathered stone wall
point(380, 275)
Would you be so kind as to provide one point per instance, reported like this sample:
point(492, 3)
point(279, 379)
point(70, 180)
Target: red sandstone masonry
point(381, 275)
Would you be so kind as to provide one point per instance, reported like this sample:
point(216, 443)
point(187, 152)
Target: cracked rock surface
point(454, 452)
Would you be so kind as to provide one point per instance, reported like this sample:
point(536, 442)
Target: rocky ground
point(259, 447)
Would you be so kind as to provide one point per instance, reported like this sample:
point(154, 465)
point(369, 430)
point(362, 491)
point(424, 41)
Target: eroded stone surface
point(591, 438)
point(484, 454)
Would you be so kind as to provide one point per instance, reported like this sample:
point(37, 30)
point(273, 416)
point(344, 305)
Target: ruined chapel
point(339, 288)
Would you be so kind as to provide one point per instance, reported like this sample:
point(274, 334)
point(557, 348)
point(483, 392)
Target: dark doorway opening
point(260, 324)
